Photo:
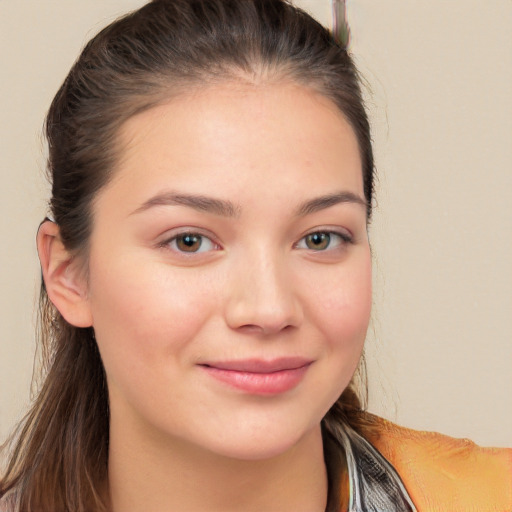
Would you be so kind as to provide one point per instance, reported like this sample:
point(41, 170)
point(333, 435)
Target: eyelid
point(345, 236)
point(172, 235)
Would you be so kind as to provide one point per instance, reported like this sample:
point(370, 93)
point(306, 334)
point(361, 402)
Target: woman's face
point(230, 272)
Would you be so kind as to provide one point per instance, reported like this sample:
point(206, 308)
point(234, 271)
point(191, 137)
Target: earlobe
point(65, 285)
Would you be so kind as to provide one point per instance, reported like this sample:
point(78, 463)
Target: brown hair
point(59, 459)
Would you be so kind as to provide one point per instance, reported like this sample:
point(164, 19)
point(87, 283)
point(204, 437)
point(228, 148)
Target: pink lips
point(260, 377)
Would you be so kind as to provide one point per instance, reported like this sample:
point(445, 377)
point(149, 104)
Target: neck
point(149, 475)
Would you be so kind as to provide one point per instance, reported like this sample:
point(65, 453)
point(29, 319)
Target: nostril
point(264, 306)
point(251, 328)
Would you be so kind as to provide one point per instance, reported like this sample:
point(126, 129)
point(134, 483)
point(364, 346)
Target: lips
point(257, 376)
point(260, 365)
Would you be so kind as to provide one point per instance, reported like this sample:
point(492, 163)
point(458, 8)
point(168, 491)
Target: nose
point(262, 297)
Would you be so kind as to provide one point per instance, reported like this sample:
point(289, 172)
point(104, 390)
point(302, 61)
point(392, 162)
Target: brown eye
point(318, 241)
point(189, 242)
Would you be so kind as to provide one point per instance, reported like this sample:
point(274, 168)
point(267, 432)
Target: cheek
point(144, 314)
point(340, 314)
point(346, 306)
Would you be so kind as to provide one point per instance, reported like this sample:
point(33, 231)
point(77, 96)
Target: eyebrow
point(228, 209)
point(323, 202)
point(197, 202)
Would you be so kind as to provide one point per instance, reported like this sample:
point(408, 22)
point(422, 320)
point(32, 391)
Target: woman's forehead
point(273, 134)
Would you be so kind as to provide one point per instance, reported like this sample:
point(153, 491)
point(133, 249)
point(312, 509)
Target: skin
point(257, 288)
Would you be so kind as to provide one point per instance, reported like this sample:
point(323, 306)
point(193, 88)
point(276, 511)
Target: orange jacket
point(443, 474)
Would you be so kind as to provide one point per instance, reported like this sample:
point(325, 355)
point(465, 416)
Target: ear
point(66, 287)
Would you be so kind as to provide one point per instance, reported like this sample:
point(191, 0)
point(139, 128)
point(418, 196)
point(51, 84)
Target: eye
point(323, 240)
point(190, 243)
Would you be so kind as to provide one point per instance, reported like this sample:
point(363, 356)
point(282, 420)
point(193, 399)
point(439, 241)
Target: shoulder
point(442, 473)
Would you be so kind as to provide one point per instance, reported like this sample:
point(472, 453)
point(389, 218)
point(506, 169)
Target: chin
point(262, 445)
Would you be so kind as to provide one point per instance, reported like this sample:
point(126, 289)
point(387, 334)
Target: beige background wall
point(440, 349)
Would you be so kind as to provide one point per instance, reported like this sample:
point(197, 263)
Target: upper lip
point(260, 365)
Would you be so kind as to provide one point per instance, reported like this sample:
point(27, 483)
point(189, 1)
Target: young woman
point(207, 283)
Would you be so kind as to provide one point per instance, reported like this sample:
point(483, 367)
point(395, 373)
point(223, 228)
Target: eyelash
point(343, 239)
point(170, 242)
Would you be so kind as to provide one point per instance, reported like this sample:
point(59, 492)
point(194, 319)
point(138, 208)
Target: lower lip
point(259, 383)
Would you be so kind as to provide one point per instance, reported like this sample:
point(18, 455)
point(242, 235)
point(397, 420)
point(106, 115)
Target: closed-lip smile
point(260, 376)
